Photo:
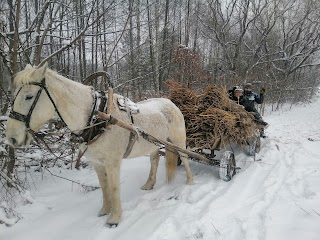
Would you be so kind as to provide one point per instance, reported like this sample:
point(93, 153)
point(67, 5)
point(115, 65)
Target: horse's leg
point(113, 180)
point(171, 165)
point(185, 159)
point(154, 160)
point(180, 142)
point(102, 176)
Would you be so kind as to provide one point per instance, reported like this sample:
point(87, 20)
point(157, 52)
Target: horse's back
point(161, 106)
point(163, 115)
point(156, 103)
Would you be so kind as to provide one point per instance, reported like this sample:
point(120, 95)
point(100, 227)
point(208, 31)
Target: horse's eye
point(29, 97)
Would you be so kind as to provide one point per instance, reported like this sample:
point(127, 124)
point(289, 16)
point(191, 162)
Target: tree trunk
point(141, 83)
point(164, 44)
point(14, 24)
point(157, 45)
point(151, 50)
point(131, 49)
point(187, 25)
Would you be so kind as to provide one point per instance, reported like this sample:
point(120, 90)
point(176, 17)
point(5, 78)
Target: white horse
point(41, 92)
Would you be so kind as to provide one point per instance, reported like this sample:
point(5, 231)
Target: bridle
point(87, 134)
point(26, 118)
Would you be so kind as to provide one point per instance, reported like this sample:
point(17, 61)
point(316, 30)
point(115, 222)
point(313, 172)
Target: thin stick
point(82, 185)
point(215, 228)
point(316, 212)
point(301, 208)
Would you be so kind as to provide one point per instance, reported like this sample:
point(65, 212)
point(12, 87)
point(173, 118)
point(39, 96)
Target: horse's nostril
point(13, 141)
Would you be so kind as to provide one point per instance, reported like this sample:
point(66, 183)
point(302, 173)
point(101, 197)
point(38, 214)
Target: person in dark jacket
point(249, 100)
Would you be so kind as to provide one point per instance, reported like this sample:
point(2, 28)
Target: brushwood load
point(212, 119)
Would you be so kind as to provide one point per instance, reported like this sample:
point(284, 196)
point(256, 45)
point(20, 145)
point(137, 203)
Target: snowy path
point(274, 199)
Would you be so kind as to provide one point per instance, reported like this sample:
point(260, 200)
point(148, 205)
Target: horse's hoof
point(147, 186)
point(189, 182)
point(112, 225)
point(113, 220)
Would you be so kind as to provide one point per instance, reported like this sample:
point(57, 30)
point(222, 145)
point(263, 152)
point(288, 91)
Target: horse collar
point(95, 126)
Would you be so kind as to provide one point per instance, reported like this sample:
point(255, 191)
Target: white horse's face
point(25, 96)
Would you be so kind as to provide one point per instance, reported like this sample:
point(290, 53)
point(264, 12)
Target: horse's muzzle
point(13, 141)
point(16, 142)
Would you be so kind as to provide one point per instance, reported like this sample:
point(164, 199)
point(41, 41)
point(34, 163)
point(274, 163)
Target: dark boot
point(261, 122)
point(262, 134)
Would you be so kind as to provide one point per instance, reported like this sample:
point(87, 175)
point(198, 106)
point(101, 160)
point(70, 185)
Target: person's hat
point(237, 89)
point(247, 85)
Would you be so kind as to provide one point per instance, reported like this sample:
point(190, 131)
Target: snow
point(273, 199)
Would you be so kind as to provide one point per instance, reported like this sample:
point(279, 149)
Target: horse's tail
point(171, 164)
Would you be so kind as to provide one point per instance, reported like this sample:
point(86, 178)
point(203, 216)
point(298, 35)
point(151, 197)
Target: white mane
point(73, 98)
point(32, 74)
point(24, 77)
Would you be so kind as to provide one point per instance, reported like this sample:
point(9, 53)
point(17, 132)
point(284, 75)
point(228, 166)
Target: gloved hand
point(262, 90)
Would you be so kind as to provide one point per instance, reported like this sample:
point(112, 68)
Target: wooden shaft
point(110, 100)
point(177, 148)
point(129, 127)
point(115, 121)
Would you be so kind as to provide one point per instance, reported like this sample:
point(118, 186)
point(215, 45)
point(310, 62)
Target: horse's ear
point(28, 66)
point(42, 70)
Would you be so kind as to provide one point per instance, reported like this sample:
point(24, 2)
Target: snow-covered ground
point(276, 198)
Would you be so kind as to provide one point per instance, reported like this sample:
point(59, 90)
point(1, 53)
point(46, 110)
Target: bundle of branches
point(211, 118)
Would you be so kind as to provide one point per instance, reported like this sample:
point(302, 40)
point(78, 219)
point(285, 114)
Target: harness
point(95, 126)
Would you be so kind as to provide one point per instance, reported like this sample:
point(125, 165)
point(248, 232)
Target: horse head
point(31, 107)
